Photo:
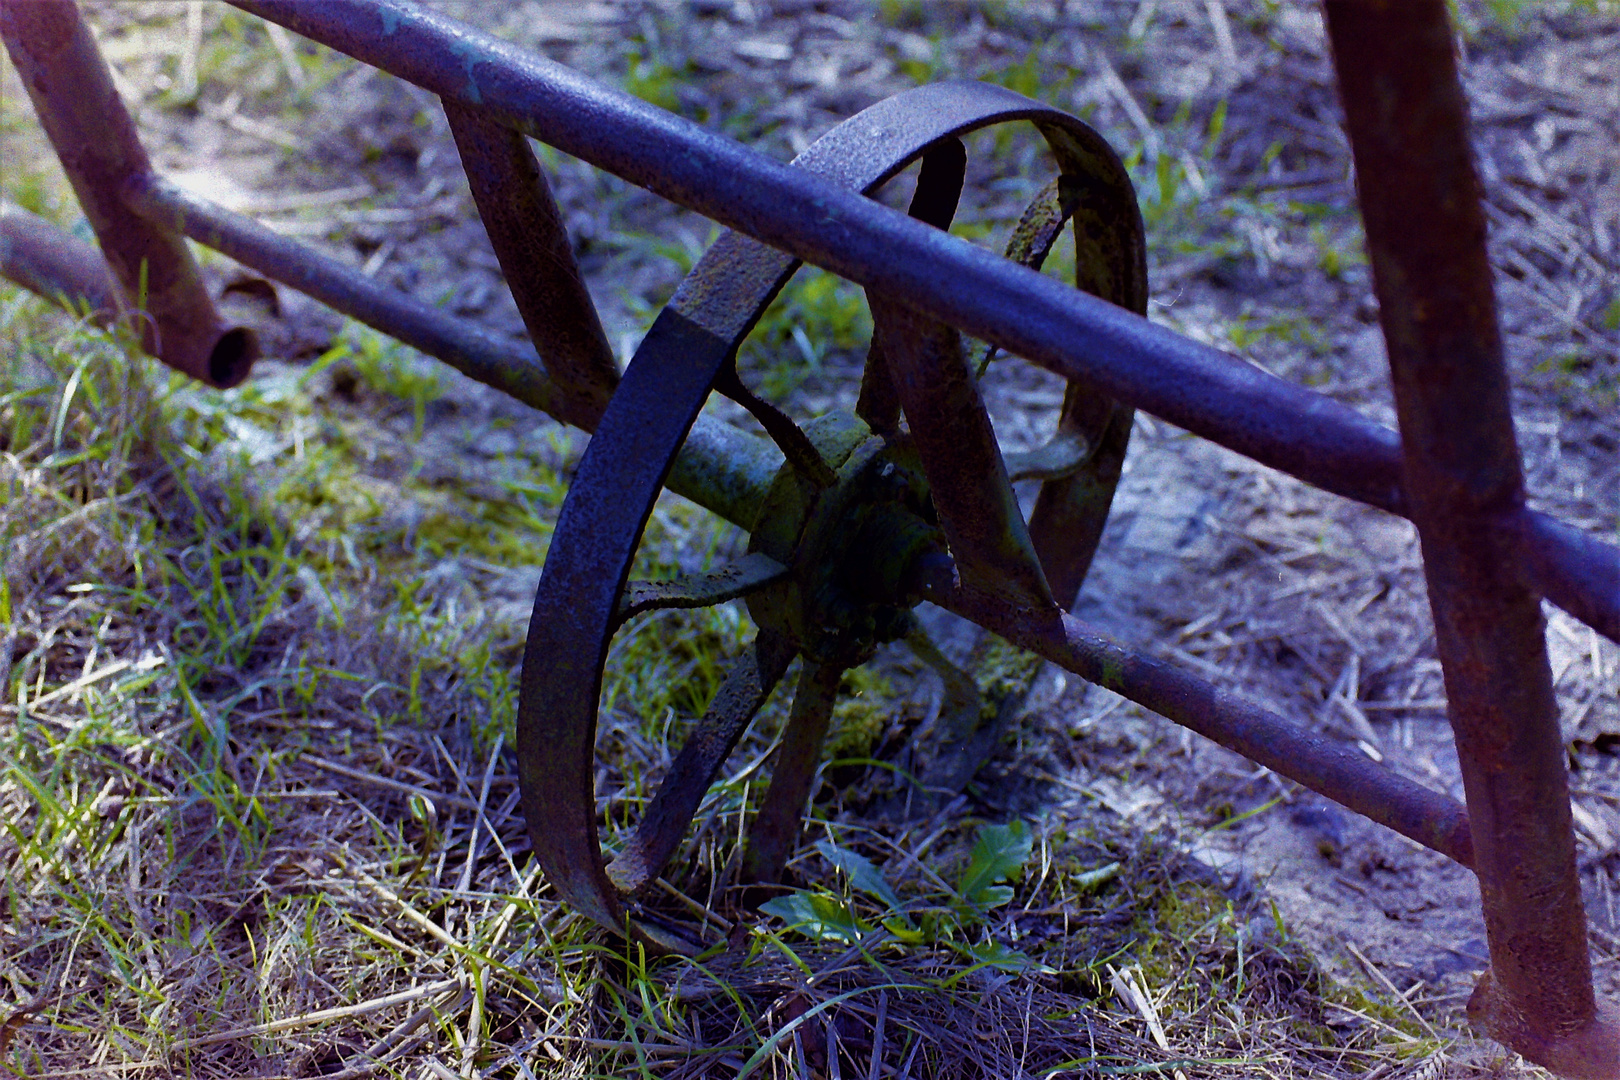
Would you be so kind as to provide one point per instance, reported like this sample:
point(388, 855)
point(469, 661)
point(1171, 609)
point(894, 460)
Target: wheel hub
point(861, 553)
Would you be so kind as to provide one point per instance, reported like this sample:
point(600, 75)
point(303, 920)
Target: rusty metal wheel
point(867, 516)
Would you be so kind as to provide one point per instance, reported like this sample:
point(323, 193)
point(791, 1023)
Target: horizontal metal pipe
point(57, 265)
point(1222, 398)
point(1571, 568)
point(507, 366)
point(721, 467)
point(1036, 316)
point(1314, 760)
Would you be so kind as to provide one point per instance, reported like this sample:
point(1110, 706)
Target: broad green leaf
point(817, 915)
point(862, 874)
point(998, 854)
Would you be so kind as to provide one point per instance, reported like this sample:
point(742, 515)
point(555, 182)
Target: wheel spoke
point(939, 189)
point(1065, 454)
point(748, 574)
point(795, 445)
point(776, 829)
point(742, 694)
point(1110, 263)
point(1072, 508)
point(1038, 229)
point(977, 507)
point(690, 348)
point(959, 711)
point(940, 395)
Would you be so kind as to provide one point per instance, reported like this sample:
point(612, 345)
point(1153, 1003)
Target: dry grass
point(257, 821)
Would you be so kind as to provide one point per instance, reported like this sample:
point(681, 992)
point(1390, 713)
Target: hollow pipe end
point(232, 356)
point(1588, 1052)
point(213, 353)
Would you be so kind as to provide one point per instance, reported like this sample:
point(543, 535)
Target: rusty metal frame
point(1456, 473)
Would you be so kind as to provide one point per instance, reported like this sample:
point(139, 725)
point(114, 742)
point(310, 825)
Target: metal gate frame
point(1454, 468)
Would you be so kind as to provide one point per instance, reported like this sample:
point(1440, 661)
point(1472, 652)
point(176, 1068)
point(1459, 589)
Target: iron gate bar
point(73, 95)
point(1194, 386)
point(1420, 200)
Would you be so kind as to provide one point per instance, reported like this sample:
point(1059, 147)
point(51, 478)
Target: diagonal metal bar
point(789, 438)
point(939, 189)
point(775, 832)
point(526, 230)
point(1194, 386)
point(939, 394)
point(1320, 763)
point(1419, 194)
point(967, 479)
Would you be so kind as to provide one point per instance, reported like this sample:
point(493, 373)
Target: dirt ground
point(1311, 605)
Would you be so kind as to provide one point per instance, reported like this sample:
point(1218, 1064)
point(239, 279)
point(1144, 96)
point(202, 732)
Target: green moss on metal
point(864, 707)
point(1004, 672)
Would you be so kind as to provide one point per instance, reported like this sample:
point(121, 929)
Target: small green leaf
point(1217, 124)
point(818, 916)
point(991, 896)
point(904, 932)
point(998, 854)
point(995, 954)
point(862, 874)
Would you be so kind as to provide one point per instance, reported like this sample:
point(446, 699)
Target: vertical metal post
point(1420, 200)
point(81, 112)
